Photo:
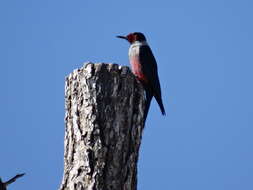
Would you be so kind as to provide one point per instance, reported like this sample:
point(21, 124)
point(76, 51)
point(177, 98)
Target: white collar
point(138, 43)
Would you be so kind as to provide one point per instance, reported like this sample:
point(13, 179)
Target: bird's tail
point(149, 97)
point(160, 103)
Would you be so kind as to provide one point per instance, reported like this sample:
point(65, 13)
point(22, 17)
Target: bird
point(3, 185)
point(144, 67)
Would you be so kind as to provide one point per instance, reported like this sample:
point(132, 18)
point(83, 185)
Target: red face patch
point(131, 37)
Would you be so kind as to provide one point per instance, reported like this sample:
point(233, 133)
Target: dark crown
point(139, 36)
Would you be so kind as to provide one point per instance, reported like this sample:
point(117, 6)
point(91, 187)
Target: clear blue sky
point(204, 54)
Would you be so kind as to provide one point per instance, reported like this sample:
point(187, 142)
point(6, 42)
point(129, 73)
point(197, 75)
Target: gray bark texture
point(104, 121)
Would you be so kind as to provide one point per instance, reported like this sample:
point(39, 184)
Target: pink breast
point(137, 69)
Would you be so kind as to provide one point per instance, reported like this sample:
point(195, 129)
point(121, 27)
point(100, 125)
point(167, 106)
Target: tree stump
point(104, 121)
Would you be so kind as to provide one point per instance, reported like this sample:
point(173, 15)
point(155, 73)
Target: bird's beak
point(123, 37)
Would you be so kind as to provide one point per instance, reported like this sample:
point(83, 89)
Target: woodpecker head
point(133, 37)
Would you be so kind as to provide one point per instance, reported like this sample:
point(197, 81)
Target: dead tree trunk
point(104, 122)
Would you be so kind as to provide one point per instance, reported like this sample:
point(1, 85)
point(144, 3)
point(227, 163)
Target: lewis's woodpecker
point(144, 67)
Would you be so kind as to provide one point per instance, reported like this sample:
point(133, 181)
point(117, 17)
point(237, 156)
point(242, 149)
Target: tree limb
point(104, 121)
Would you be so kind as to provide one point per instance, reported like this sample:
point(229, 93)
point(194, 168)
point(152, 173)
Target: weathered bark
point(104, 123)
